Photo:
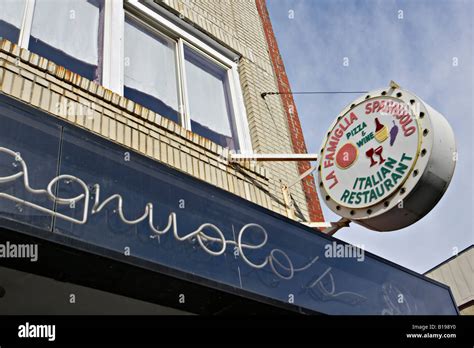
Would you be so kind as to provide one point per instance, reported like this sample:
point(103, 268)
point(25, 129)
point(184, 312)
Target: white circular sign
point(387, 160)
point(369, 152)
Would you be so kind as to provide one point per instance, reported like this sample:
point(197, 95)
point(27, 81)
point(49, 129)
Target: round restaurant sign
point(381, 155)
point(371, 150)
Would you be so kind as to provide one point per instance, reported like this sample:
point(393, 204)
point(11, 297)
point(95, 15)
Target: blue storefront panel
point(111, 198)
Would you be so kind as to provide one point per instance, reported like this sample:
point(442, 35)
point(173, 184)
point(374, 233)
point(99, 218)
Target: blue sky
point(418, 52)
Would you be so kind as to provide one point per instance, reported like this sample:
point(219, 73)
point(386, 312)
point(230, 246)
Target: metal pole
point(273, 157)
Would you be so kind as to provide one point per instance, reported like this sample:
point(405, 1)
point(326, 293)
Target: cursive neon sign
point(274, 260)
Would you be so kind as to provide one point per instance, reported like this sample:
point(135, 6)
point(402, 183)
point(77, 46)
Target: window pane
point(208, 99)
point(11, 15)
point(150, 70)
point(67, 33)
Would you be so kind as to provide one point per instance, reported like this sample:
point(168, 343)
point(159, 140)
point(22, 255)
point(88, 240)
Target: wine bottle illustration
point(393, 133)
point(381, 131)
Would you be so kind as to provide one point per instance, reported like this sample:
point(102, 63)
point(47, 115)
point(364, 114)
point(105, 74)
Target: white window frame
point(112, 74)
point(113, 64)
point(186, 120)
point(113, 54)
point(27, 23)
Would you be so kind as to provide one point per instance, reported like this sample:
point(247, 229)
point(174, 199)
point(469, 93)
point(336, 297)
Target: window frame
point(27, 24)
point(227, 84)
point(113, 69)
point(149, 27)
point(111, 58)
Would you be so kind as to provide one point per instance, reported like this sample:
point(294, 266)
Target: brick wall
point(294, 125)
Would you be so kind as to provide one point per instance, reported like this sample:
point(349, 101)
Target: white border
point(26, 23)
point(186, 119)
point(113, 54)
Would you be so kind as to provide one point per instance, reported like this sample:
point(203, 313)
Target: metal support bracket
point(290, 209)
point(281, 157)
point(302, 176)
point(329, 228)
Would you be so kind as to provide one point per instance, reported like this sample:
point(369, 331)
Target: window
point(182, 80)
point(152, 79)
point(150, 70)
point(208, 98)
point(134, 49)
point(67, 33)
point(11, 16)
